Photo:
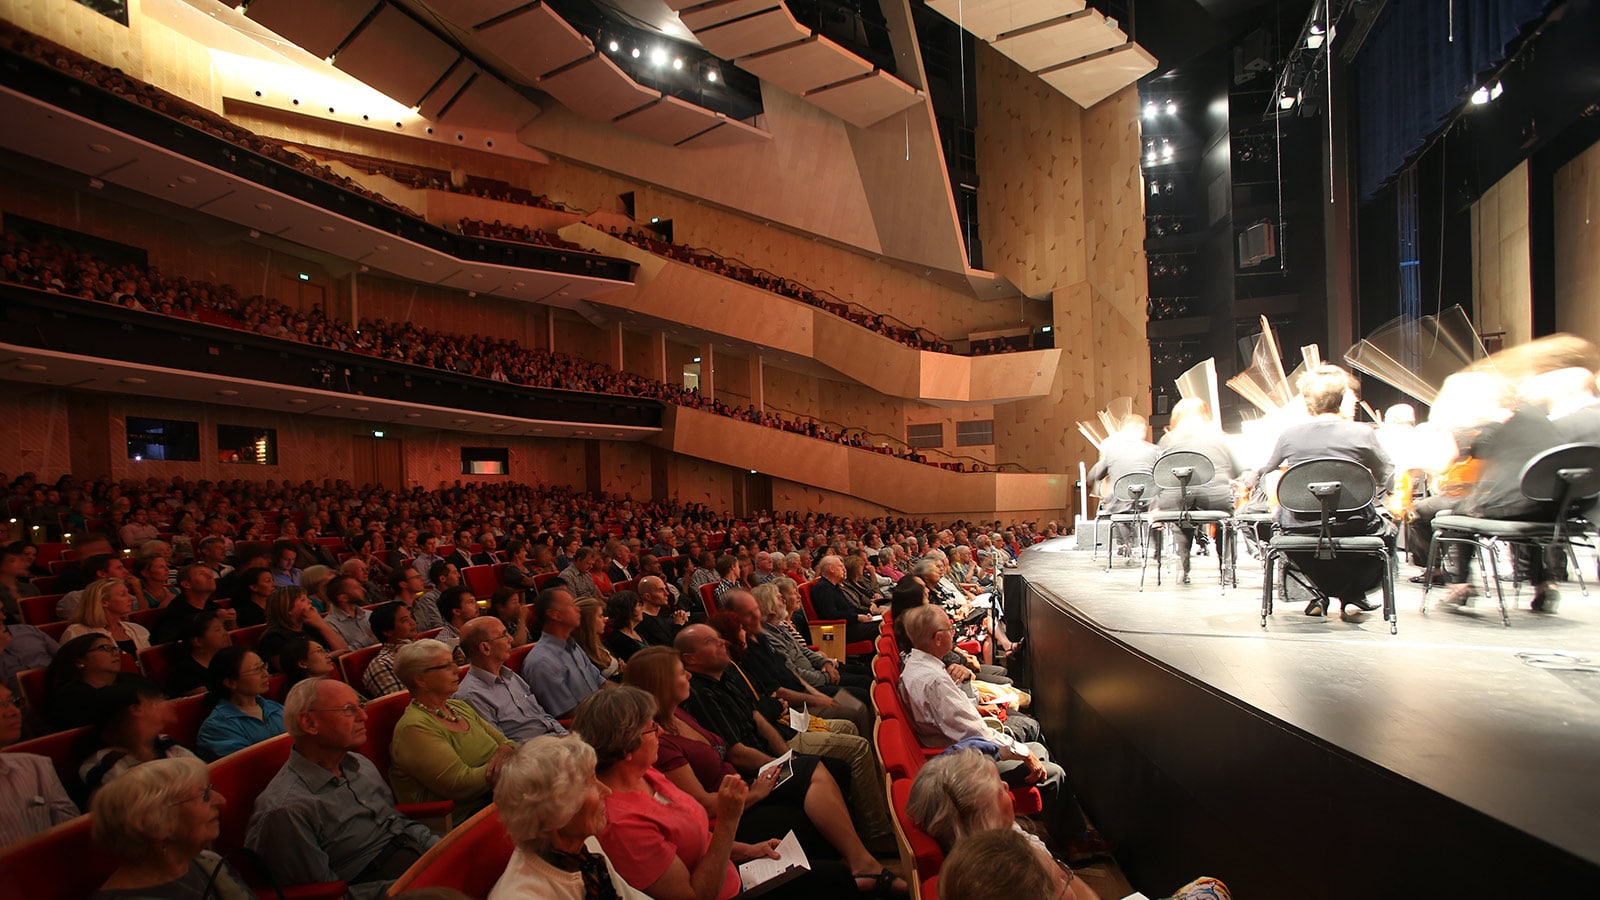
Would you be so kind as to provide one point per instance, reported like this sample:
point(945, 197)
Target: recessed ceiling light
point(381, 247)
point(360, 408)
point(327, 228)
point(461, 421)
point(428, 263)
point(298, 401)
point(100, 148)
point(133, 379)
point(264, 207)
point(32, 367)
point(186, 179)
point(227, 392)
point(413, 415)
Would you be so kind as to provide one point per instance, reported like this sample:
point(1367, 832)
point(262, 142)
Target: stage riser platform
point(1189, 780)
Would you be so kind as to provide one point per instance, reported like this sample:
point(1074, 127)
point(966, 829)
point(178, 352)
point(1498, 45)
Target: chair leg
point(1577, 568)
point(1427, 572)
point(1266, 584)
point(1144, 555)
point(1390, 614)
point(1494, 562)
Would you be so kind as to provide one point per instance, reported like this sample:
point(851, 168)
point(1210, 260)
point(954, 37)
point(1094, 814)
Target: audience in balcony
point(521, 234)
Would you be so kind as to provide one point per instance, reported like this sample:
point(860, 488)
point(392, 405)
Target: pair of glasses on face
point(349, 709)
point(204, 796)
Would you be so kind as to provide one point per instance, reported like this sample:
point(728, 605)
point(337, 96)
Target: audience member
point(158, 820)
point(442, 749)
point(591, 626)
point(624, 614)
point(557, 668)
point(290, 615)
point(83, 669)
point(199, 641)
point(302, 659)
point(393, 625)
point(31, 796)
point(106, 605)
point(23, 647)
point(128, 729)
point(237, 682)
point(496, 691)
point(346, 614)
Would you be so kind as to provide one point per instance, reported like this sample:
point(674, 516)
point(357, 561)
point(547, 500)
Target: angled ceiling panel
point(708, 15)
point(534, 41)
point(318, 26)
point(396, 55)
point(753, 34)
point(669, 120)
point(727, 133)
point(1092, 79)
point(472, 13)
point(445, 91)
point(487, 102)
point(596, 89)
point(1056, 41)
point(988, 19)
point(866, 101)
point(813, 63)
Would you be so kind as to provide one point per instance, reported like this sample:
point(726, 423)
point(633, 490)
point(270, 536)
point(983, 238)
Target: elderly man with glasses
point(328, 815)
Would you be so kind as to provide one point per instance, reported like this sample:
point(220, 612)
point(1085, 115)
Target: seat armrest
point(327, 890)
point(433, 809)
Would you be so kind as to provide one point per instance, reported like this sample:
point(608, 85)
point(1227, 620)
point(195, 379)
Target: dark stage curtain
point(1410, 76)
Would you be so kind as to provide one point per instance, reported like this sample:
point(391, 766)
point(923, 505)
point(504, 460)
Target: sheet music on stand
point(761, 875)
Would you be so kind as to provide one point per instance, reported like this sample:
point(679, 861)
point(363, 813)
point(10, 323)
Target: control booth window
point(924, 437)
point(485, 461)
point(247, 444)
point(975, 434)
point(163, 439)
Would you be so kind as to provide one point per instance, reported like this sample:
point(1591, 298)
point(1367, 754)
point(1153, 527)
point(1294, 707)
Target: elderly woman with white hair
point(442, 749)
point(157, 821)
point(553, 805)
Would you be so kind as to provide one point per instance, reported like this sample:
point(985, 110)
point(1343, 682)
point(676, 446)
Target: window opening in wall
point(247, 444)
point(924, 437)
point(485, 461)
point(691, 376)
point(163, 439)
point(115, 10)
point(975, 434)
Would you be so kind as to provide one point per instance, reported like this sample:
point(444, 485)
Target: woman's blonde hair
point(654, 670)
point(138, 810)
point(279, 603)
point(587, 634)
point(770, 598)
point(315, 578)
point(91, 609)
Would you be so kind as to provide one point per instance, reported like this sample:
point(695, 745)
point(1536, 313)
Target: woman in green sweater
point(442, 749)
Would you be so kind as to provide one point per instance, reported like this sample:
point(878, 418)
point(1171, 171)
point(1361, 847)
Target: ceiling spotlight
point(677, 64)
point(1166, 150)
point(1315, 37)
point(1480, 96)
point(711, 75)
point(1155, 188)
point(613, 46)
point(1285, 102)
point(1150, 157)
point(1150, 110)
point(1495, 90)
point(1172, 107)
point(658, 57)
point(635, 52)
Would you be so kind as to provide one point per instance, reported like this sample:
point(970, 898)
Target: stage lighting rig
point(1333, 26)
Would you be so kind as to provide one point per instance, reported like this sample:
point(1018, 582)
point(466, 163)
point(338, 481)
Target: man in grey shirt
point(328, 815)
point(576, 574)
point(496, 691)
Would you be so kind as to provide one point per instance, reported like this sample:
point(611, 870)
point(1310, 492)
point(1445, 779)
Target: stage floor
point(1504, 720)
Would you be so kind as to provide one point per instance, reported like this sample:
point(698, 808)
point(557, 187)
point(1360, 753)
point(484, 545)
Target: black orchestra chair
point(1327, 489)
point(1182, 470)
point(1561, 475)
point(1135, 489)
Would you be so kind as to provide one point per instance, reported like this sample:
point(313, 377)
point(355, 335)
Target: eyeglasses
point(259, 669)
point(445, 665)
point(105, 648)
point(1071, 877)
point(349, 709)
point(204, 796)
point(653, 728)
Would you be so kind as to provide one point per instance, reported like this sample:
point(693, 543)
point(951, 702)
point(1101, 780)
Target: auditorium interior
point(887, 280)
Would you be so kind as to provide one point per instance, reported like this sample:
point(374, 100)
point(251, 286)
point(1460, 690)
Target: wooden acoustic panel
point(866, 101)
point(487, 102)
point(534, 41)
point(813, 63)
point(1094, 78)
point(753, 34)
point(596, 89)
point(988, 19)
point(472, 13)
point(668, 120)
point(727, 133)
point(710, 15)
point(397, 56)
point(1057, 41)
point(317, 26)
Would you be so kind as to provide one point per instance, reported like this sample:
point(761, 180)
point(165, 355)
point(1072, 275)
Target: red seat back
point(156, 662)
point(187, 715)
point(145, 617)
point(382, 715)
point(805, 601)
point(32, 683)
point(886, 669)
point(59, 749)
point(514, 661)
point(902, 756)
point(708, 597)
point(924, 849)
point(481, 580)
point(886, 645)
point(354, 664)
point(39, 610)
point(887, 701)
point(61, 863)
point(247, 637)
point(54, 629)
point(540, 581)
point(241, 776)
point(469, 859)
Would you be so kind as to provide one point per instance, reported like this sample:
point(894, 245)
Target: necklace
point(445, 713)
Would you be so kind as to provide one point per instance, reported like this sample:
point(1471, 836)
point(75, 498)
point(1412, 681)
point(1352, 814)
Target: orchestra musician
point(1126, 452)
point(1193, 428)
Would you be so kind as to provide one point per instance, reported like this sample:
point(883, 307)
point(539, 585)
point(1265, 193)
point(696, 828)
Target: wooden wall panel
point(74, 25)
point(34, 432)
point(1067, 219)
point(1502, 277)
point(1577, 227)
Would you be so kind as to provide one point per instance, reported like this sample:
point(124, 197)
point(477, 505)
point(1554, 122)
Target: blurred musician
point(1192, 428)
point(1126, 452)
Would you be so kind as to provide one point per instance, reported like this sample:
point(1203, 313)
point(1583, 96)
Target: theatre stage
point(1320, 756)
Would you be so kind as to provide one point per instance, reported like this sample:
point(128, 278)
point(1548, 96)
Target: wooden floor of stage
point(1505, 720)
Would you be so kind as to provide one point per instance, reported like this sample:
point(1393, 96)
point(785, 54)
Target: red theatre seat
point(353, 665)
point(924, 849)
point(858, 648)
point(481, 580)
point(707, 596)
point(469, 859)
point(247, 637)
point(60, 748)
point(61, 863)
point(382, 715)
point(39, 610)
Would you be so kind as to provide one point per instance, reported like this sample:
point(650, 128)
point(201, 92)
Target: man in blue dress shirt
point(557, 669)
point(496, 691)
